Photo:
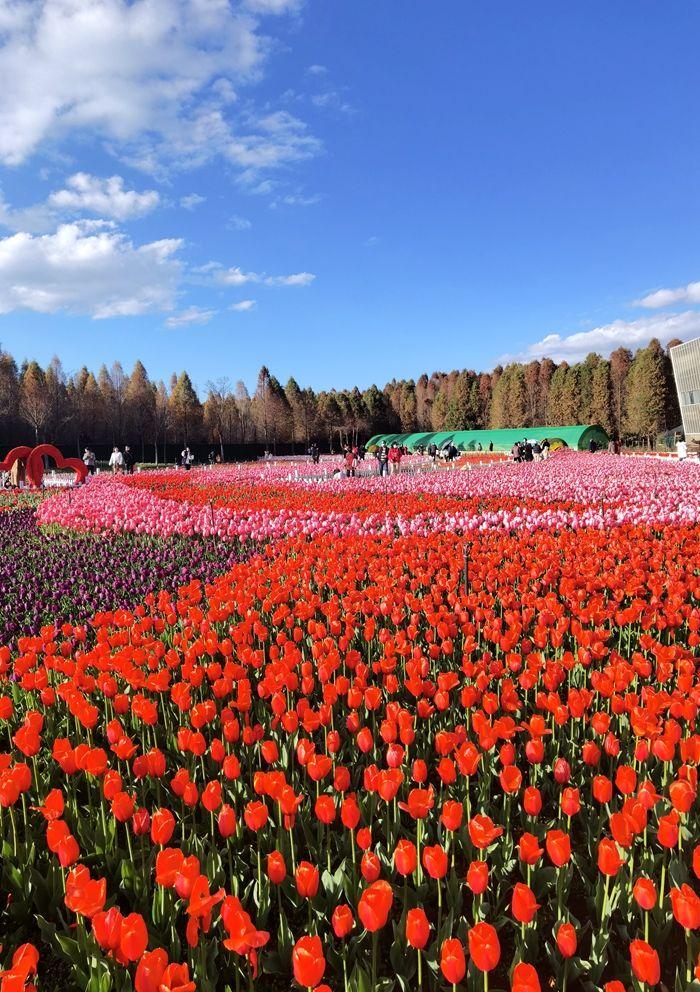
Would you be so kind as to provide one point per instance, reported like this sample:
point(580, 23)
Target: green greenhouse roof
point(578, 437)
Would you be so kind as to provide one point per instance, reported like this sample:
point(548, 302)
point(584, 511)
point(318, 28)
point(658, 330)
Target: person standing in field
point(89, 460)
point(186, 457)
point(128, 460)
point(350, 462)
point(682, 450)
point(394, 458)
point(383, 459)
point(116, 461)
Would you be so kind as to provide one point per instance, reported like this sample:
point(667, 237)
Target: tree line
point(631, 395)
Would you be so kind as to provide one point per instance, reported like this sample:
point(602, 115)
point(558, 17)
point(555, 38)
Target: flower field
point(436, 731)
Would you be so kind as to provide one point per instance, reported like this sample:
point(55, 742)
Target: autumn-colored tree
point(439, 411)
point(620, 364)
point(600, 411)
point(645, 394)
point(185, 410)
point(34, 401)
point(139, 403)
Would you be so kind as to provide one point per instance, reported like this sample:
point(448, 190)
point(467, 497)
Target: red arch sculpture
point(35, 464)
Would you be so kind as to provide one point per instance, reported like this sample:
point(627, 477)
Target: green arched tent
point(576, 437)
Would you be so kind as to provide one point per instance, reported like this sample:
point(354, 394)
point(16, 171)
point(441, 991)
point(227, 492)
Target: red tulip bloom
point(162, 826)
point(308, 961)
point(405, 858)
point(451, 816)
point(609, 861)
point(342, 921)
point(150, 970)
point(484, 946)
point(558, 846)
point(420, 802)
point(478, 877)
point(435, 861)
point(529, 849)
point(645, 962)
point(417, 929)
point(532, 801)
point(375, 905)
point(523, 904)
point(370, 867)
point(226, 821)
point(685, 904)
point(566, 940)
point(524, 979)
point(276, 867)
point(306, 878)
point(255, 815)
point(644, 892)
point(452, 962)
point(483, 832)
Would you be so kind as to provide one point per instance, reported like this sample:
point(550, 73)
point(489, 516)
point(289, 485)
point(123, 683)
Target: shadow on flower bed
point(58, 576)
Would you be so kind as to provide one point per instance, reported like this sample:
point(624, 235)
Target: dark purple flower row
point(60, 576)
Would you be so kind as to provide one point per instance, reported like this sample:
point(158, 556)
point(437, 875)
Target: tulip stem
point(420, 970)
point(374, 961)
point(486, 981)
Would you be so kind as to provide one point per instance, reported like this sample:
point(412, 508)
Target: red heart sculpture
point(12, 456)
point(35, 464)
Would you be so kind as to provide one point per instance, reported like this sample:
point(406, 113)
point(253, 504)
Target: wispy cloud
point(237, 223)
point(689, 295)
point(243, 306)
point(606, 338)
point(192, 315)
point(88, 268)
point(237, 277)
point(191, 201)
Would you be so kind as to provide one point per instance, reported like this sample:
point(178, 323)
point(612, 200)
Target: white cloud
point(243, 306)
point(297, 279)
point(239, 223)
point(36, 219)
point(300, 199)
point(87, 268)
point(689, 294)
point(237, 277)
point(104, 197)
point(192, 315)
point(191, 201)
point(277, 139)
point(605, 339)
point(273, 6)
point(155, 80)
point(317, 70)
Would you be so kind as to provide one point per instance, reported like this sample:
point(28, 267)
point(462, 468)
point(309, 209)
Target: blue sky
point(345, 192)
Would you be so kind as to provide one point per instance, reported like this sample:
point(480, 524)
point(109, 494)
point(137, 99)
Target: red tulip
point(452, 962)
point(435, 861)
point(307, 879)
point(478, 877)
point(558, 846)
point(375, 905)
point(417, 928)
point(645, 962)
point(685, 904)
point(644, 892)
point(405, 858)
point(484, 946)
point(609, 861)
point(566, 940)
point(524, 979)
point(524, 905)
point(342, 921)
point(276, 867)
point(308, 961)
point(162, 827)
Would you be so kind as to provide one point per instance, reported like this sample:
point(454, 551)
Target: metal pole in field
point(465, 553)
